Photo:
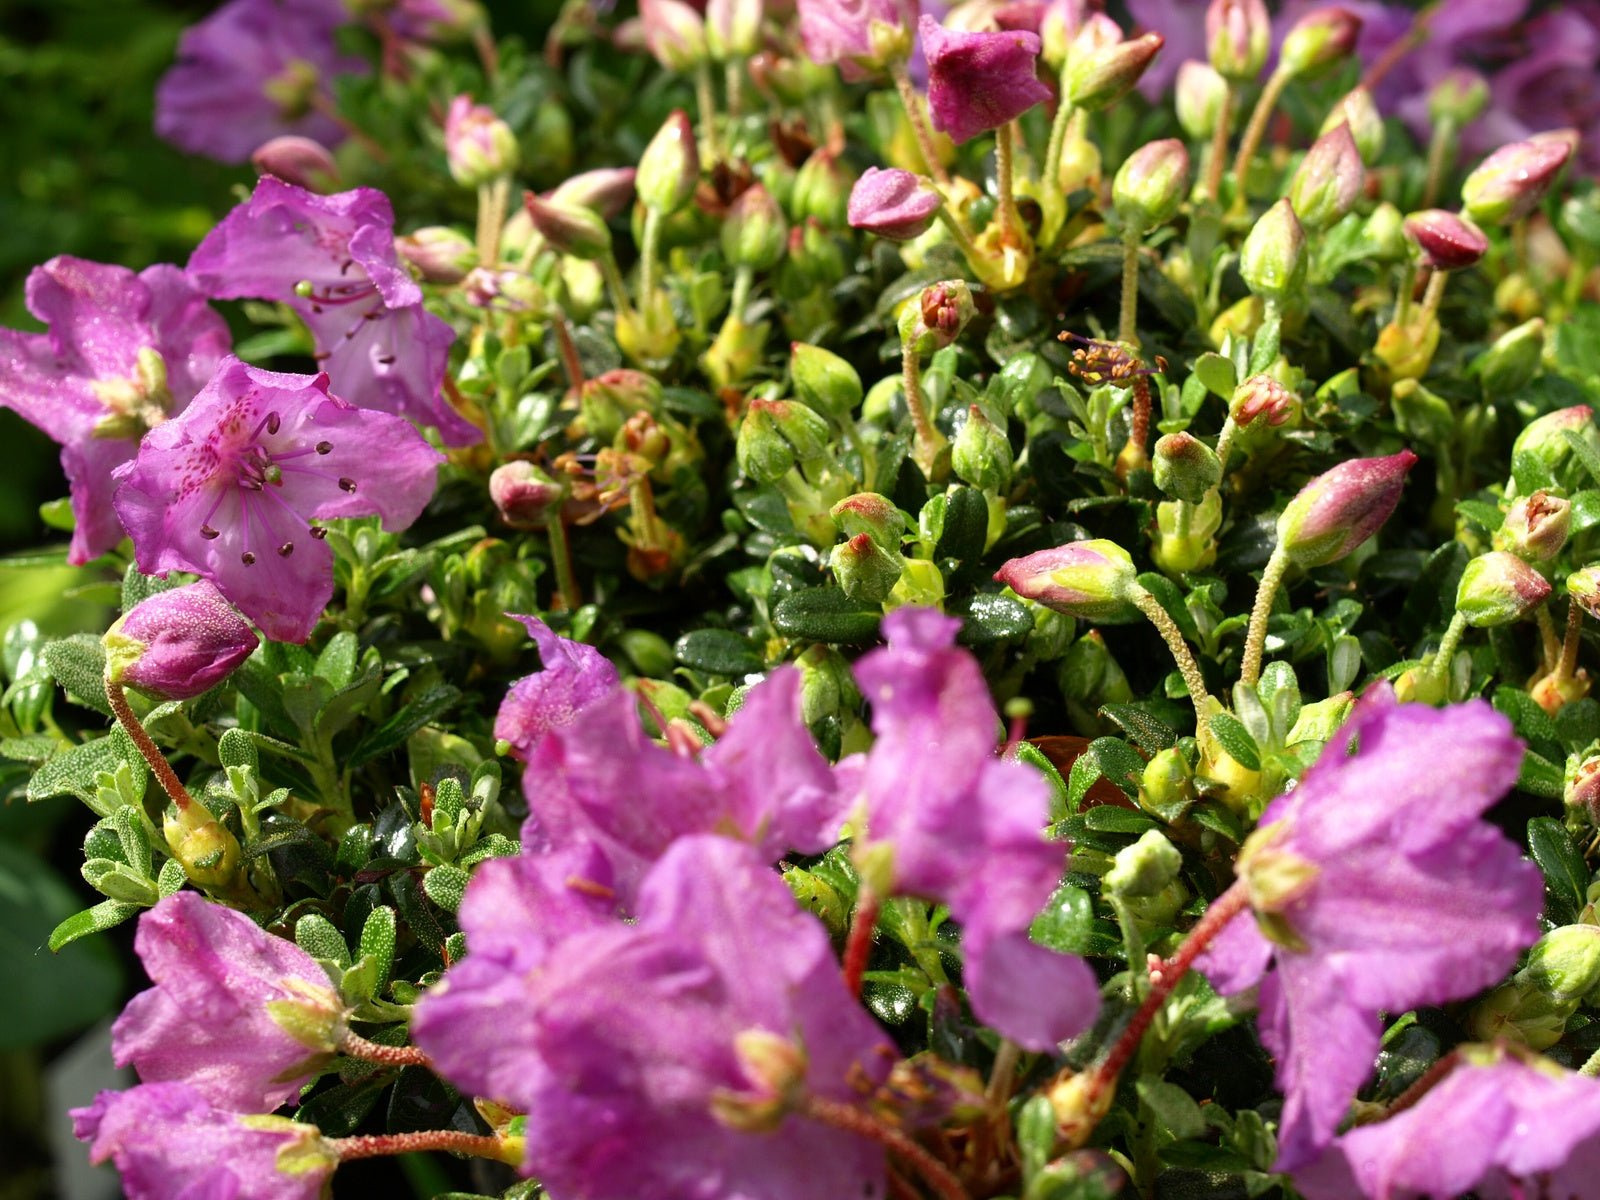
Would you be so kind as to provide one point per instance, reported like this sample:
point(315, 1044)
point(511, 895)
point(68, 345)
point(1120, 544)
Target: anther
point(273, 422)
point(285, 550)
point(209, 533)
point(318, 532)
point(248, 558)
point(324, 447)
point(346, 484)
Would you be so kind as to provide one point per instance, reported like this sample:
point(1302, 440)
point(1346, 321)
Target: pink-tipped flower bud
point(177, 644)
point(1580, 793)
point(1273, 258)
point(669, 168)
point(981, 453)
point(569, 228)
point(776, 435)
point(870, 514)
point(606, 190)
point(1544, 438)
point(440, 254)
point(1509, 184)
point(1199, 95)
point(523, 495)
point(754, 232)
point(1583, 586)
point(1318, 42)
point(1262, 396)
point(1058, 25)
point(1446, 241)
point(302, 161)
point(979, 81)
point(1341, 508)
point(1329, 180)
point(894, 204)
point(1092, 580)
point(479, 146)
point(1238, 36)
point(938, 315)
point(1459, 97)
point(1536, 527)
point(1357, 109)
point(1498, 588)
point(1185, 467)
point(733, 28)
point(1151, 184)
point(865, 569)
point(1100, 74)
point(821, 189)
point(858, 35)
point(674, 33)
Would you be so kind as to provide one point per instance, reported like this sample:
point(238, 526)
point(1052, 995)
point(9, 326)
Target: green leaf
point(1233, 737)
point(1119, 762)
point(987, 618)
point(320, 938)
point(1217, 374)
point(1152, 734)
point(75, 772)
point(1173, 1107)
point(1540, 776)
point(718, 652)
point(78, 664)
point(378, 942)
point(1584, 452)
point(337, 662)
point(1067, 924)
point(1085, 770)
point(1036, 1134)
point(1560, 859)
point(1029, 753)
point(966, 525)
point(826, 615)
point(1111, 818)
point(429, 706)
point(98, 919)
point(445, 885)
point(236, 748)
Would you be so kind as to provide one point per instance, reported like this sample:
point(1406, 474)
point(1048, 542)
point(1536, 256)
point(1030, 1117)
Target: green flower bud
point(1187, 540)
point(1422, 415)
point(1238, 36)
point(1273, 258)
point(1499, 588)
point(569, 228)
point(1536, 527)
point(754, 232)
point(1520, 1013)
point(1565, 963)
point(1357, 109)
point(1318, 42)
point(814, 259)
point(1100, 72)
point(1092, 580)
point(1090, 677)
point(1166, 789)
point(824, 382)
point(981, 453)
point(675, 34)
point(865, 570)
point(1144, 868)
point(1543, 438)
point(733, 28)
point(1459, 97)
point(1580, 792)
point(873, 515)
point(827, 687)
point(1583, 586)
point(607, 401)
point(1341, 508)
point(938, 315)
point(1385, 234)
point(1508, 185)
point(1199, 95)
point(669, 168)
point(1329, 180)
point(1320, 720)
point(1512, 361)
point(525, 496)
point(1186, 467)
point(440, 254)
point(734, 353)
point(921, 584)
point(206, 849)
point(776, 435)
point(1151, 184)
point(821, 189)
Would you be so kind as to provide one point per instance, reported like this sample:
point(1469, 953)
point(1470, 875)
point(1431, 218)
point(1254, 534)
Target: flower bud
point(525, 496)
point(824, 382)
point(605, 190)
point(894, 204)
point(1093, 580)
point(1098, 74)
point(1520, 1013)
point(981, 453)
point(871, 514)
point(777, 434)
point(177, 644)
point(674, 33)
point(813, 259)
point(1144, 868)
point(1512, 361)
point(1535, 528)
point(1580, 793)
point(205, 848)
point(1384, 232)
point(1357, 110)
point(607, 401)
point(754, 232)
point(865, 570)
point(937, 316)
point(978, 80)
point(569, 228)
point(1238, 36)
point(1545, 437)
point(1057, 27)
point(733, 28)
point(1508, 185)
point(1447, 242)
point(1262, 396)
point(1458, 98)
point(1166, 788)
point(1273, 260)
point(1185, 537)
point(480, 146)
point(669, 168)
point(1329, 180)
point(1498, 589)
point(821, 189)
point(1151, 184)
point(1565, 963)
point(1318, 42)
point(1185, 467)
point(1341, 508)
point(302, 161)
point(1583, 586)
point(440, 254)
point(1420, 414)
point(827, 688)
point(1199, 94)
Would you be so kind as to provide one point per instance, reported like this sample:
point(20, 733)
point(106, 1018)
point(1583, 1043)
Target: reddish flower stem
point(383, 1144)
point(159, 766)
point(839, 1115)
point(858, 946)
point(357, 1046)
point(1164, 979)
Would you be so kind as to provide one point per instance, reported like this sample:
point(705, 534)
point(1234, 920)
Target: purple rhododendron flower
point(571, 676)
point(124, 351)
point(209, 1021)
point(179, 643)
point(840, 31)
point(1497, 1127)
point(979, 81)
point(965, 827)
point(1377, 887)
point(1553, 84)
point(332, 260)
point(251, 71)
point(623, 1042)
point(167, 1142)
point(228, 489)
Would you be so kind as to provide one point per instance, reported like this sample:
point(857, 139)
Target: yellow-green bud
point(1512, 360)
point(981, 452)
point(1151, 184)
point(824, 382)
point(1498, 589)
point(865, 570)
point(754, 232)
point(1186, 467)
point(669, 168)
point(1536, 527)
point(1273, 259)
point(1357, 109)
point(1318, 42)
point(776, 435)
point(873, 515)
point(1144, 868)
point(1565, 963)
point(1199, 95)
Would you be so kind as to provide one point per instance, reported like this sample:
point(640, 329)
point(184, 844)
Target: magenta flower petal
point(893, 204)
point(228, 489)
point(840, 31)
point(179, 643)
point(979, 81)
point(168, 1142)
point(571, 676)
point(206, 1023)
point(248, 73)
point(124, 351)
